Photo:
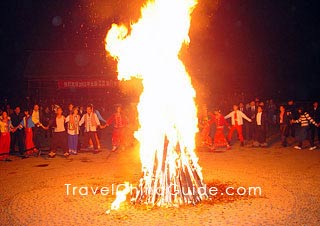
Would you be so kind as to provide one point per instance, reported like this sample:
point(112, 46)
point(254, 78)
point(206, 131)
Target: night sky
point(268, 48)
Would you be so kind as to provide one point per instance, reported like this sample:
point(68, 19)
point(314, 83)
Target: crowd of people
point(22, 128)
point(252, 122)
point(25, 129)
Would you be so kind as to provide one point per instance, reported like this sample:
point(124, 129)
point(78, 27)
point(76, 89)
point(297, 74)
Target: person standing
point(91, 122)
point(284, 122)
point(16, 134)
point(37, 118)
point(219, 139)
point(102, 120)
point(293, 115)
point(205, 128)
point(237, 122)
point(47, 116)
point(260, 123)
point(119, 121)
point(5, 128)
point(251, 113)
point(304, 130)
point(315, 114)
point(27, 124)
point(73, 120)
point(242, 108)
point(59, 136)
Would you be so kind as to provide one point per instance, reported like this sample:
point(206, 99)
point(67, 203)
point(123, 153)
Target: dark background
point(265, 48)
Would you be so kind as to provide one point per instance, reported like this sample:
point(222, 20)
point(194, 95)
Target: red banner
point(87, 83)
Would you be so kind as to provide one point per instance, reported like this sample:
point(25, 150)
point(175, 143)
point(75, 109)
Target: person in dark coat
point(260, 131)
point(16, 134)
point(293, 115)
point(315, 114)
point(284, 122)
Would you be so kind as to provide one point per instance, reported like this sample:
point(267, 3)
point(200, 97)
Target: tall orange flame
point(167, 112)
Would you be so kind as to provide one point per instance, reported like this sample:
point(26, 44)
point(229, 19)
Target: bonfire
point(149, 50)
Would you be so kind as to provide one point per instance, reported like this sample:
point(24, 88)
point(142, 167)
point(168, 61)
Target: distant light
point(56, 21)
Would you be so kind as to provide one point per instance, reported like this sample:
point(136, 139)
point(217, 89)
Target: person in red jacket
point(119, 121)
point(219, 139)
point(205, 128)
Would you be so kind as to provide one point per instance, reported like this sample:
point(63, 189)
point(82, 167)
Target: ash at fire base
point(149, 50)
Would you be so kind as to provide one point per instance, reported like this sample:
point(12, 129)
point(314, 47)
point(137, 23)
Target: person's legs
point(36, 136)
point(318, 133)
point(251, 131)
point(232, 129)
point(240, 135)
point(92, 136)
point(116, 137)
point(4, 145)
point(64, 141)
point(244, 130)
point(70, 146)
point(263, 136)
point(13, 143)
point(293, 130)
point(97, 139)
point(72, 143)
point(75, 143)
point(302, 136)
point(312, 133)
point(311, 139)
point(283, 134)
point(21, 142)
point(53, 144)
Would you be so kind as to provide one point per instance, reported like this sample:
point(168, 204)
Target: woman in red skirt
point(5, 128)
point(28, 124)
point(205, 128)
point(219, 139)
point(119, 121)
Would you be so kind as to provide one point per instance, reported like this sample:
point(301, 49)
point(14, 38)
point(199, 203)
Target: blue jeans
point(73, 142)
point(303, 134)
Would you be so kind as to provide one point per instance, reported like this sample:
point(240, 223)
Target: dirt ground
point(33, 190)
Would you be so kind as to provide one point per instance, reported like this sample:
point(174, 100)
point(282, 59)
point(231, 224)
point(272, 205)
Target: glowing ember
point(167, 111)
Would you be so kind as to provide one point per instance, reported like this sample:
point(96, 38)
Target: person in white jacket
point(236, 123)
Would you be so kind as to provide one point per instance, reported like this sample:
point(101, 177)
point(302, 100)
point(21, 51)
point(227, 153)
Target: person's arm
point(50, 124)
point(310, 119)
point(67, 119)
point(11, 127)
point(110, 120)
point(228, 115)
point(297, 120)
point(82, 120)
point(22, 124)
point(100, 117)
point(97, 120)
point(245, 117)
point(33, 119)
